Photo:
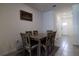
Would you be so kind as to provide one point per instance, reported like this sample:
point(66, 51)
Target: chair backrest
point(29, 32)
point(50, 38)
point(53, 39)
point(25, 39)
point(49, 31)
point(54, 34)
point(35, 32)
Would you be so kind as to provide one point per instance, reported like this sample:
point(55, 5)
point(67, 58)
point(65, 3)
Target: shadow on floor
point(34, 52)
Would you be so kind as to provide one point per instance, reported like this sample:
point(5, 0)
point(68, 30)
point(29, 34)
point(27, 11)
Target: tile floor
point(67, 47)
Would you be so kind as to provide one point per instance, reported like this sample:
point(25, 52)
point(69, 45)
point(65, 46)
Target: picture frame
point(25, 15)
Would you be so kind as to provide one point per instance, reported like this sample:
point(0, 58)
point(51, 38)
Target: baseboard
point(8, 52)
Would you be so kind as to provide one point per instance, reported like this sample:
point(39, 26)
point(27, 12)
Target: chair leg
point(24, 51)
point(45, 52)
point(30, 53)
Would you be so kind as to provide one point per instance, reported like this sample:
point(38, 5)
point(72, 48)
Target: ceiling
point(48, 6)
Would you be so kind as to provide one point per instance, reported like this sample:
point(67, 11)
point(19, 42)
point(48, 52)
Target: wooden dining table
point(38, 38)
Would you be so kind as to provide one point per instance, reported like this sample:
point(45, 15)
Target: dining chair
point(49, 31)
point(24, 41)
point(35, 32)
point(32, 42)
point(53, 38)
point(50, 42)
point(53, 35)
point(27, 43)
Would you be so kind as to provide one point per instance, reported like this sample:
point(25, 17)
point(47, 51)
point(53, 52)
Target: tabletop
point(39, 36)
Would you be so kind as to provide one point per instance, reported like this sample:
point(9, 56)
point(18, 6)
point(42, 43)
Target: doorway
point(64, 24)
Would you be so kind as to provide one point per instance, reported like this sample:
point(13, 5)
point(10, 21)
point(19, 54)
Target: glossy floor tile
point(67, 48)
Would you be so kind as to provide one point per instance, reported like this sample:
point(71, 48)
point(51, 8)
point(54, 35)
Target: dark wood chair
point(29, 32)
point(53, 39)
point(49, 31)
point(24, 41)
point(27, 43)
point(33, 42)
point(50, 42)
point(35, 32)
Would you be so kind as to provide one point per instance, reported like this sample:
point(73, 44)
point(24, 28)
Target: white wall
point(49, 22)
point(11, 25)
point(76, 23)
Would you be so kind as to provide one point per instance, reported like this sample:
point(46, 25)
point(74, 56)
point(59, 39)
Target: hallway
point(66, 47)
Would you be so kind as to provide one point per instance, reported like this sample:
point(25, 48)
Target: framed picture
point(25, 15)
